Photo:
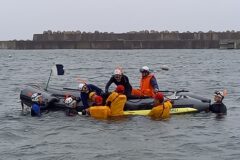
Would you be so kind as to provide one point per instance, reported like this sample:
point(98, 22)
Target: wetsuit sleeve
point(84, 98)
point(128, 87)
point(96, 89)
point(108, 84)
point(154, 83)
point(126, 80)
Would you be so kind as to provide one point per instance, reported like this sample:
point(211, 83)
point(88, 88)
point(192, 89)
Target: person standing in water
point(36, 106)
point(218, 106)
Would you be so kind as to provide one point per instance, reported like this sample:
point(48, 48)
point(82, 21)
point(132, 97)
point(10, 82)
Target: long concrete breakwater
point(130, 40)
point(170, 44)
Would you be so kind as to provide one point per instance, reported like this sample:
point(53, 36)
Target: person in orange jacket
point(161, 109)
point(148, 84)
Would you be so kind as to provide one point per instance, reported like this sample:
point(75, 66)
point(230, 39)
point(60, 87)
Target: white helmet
point(219, 94)
point(118, 71)
point(144, 69)
point(35, 97)
point(68, 100)
point(81, 85)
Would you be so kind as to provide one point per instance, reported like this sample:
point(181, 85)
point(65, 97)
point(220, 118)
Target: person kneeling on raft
point(161, 109)
point(148, 84)
point(120, 79)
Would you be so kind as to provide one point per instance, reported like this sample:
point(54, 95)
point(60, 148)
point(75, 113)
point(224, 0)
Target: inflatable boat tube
point(183, 101)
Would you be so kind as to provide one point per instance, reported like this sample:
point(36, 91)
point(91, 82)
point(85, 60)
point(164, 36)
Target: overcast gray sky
point(20, 19)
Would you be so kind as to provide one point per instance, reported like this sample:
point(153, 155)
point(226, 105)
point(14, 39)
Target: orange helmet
point(120, 89)
point(159, 96)
point(98, 100)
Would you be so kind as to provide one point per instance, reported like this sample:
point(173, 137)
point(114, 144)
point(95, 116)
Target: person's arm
point(154, 84)
point(99, 91)
point(110, 98)
point(108, 84)
point(128, 87)
point(84, 98)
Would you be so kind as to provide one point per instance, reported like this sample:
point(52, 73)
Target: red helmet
point(98, 100)
point(159, 96)
point(120, 89)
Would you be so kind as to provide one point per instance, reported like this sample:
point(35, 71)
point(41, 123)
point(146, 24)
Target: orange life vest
point(146, 87)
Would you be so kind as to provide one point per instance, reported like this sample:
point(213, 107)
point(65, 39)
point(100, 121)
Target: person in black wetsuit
point(218, 106)
point(120, 79)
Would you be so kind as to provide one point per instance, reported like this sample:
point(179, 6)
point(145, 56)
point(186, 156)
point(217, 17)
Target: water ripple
point(55, 136)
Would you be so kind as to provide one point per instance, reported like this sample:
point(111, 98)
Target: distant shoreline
point(129, 40)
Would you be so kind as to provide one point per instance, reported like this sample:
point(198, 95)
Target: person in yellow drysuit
point(116, 101)
point(161, 109)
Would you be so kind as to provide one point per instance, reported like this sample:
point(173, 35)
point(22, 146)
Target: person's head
point(218, 96)
point(145, 71)
point(118, 74)
point(120, 89)
point(92, 96)
point(158, 98)
point(37, 98)
point(68, 100)
point(83, 87)
point(98, 100)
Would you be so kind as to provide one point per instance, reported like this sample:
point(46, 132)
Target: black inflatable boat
point(183, 101)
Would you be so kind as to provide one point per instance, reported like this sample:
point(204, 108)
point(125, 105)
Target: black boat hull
point(53, 99)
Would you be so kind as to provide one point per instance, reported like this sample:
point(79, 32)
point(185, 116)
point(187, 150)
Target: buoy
point(9, 55)
point(165, 67)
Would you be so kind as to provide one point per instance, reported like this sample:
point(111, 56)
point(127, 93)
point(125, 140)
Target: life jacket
point(117, 103)
point(100, 112)
point(161, 111)
point(146, 87)
point(166, 110)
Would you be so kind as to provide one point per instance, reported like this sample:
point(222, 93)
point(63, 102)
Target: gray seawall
point(164, 44)
point(130, 40)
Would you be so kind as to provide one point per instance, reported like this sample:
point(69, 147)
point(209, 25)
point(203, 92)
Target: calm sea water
point(54, 136)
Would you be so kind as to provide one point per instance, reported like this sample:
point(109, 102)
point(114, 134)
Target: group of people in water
point(100, 104)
